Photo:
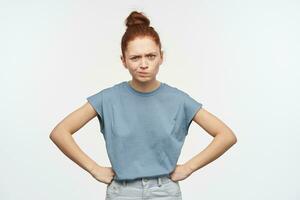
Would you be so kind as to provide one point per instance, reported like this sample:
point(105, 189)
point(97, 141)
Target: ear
point(162, 56)
point(123, 61)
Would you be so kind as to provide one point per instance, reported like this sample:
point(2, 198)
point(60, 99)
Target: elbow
point(233, 138)
point(230, 137)
point(52, 135)
point(58, 132)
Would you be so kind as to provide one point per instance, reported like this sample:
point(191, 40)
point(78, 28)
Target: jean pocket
point(173, 188)
point(112, 189)
point(108, 184)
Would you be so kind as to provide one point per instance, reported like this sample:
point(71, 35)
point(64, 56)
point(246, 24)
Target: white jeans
point(156, 188)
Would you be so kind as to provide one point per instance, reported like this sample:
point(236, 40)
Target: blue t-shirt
point(143, 131)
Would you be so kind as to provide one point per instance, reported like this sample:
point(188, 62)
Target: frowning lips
point(142, 73)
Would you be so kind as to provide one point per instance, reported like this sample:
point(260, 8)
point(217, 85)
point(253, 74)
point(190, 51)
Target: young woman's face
point(142, 59)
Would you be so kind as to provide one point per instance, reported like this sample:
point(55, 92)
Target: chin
point(143, 79)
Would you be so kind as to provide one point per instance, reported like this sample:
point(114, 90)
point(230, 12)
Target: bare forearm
point(220, 144)
point(65, 142)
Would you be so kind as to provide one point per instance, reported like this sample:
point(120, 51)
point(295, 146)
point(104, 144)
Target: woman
point(144, 123)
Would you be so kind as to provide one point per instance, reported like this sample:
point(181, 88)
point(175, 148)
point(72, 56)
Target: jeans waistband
point(149, 181)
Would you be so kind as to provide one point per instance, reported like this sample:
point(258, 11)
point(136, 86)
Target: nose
point(144, 63)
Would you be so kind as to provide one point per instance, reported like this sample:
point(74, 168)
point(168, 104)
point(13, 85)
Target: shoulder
point(174, 89)
point(108, 91)
point(180, 93)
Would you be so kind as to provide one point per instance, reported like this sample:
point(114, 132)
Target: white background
point(240, 59)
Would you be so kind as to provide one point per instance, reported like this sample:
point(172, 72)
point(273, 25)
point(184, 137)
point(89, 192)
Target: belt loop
point(159, 181)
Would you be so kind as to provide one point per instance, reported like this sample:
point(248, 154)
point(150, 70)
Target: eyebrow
point(151, 53)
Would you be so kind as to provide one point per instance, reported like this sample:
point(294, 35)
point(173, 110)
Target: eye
point(152, 56)
point(133, 58)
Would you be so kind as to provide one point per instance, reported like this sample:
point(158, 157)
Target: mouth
point(142, 74)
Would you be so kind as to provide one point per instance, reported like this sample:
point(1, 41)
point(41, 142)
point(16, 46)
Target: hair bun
point(137, 18)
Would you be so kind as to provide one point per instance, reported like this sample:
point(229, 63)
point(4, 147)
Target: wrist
point(92, 167)
point(189, 168)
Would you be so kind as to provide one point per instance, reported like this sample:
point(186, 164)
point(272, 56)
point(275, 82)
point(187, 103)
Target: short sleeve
point(191, 106)
point(96, 101)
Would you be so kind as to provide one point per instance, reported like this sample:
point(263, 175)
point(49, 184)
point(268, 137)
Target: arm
point(61, 135)
point(224, 138)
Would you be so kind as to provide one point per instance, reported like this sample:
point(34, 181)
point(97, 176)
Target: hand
point(103, 174)
point(181, 172)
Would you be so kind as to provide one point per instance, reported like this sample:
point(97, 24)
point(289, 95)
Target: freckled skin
point(143, 55)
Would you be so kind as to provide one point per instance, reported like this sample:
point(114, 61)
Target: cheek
point(132, 67)
point(156, 64)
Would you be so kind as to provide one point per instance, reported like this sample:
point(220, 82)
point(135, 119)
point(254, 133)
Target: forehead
point(142, 45)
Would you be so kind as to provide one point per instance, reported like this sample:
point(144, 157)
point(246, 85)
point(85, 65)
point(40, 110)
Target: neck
point(144, 86)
